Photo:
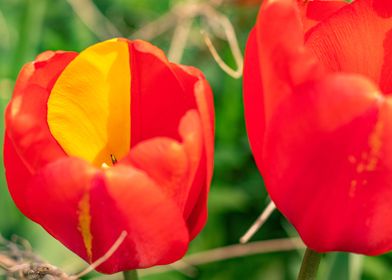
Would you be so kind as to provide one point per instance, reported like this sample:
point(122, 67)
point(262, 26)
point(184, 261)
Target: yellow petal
point(89, 106)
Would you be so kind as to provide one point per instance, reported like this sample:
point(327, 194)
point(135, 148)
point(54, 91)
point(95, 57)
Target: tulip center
point(89, 106)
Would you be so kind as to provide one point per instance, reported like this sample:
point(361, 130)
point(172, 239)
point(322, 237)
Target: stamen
point(113, 158)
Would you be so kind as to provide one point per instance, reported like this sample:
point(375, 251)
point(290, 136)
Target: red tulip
point(316, 92)
point(113, 139)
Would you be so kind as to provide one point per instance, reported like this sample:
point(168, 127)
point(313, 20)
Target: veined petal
point(357, 39)
point(315, 11)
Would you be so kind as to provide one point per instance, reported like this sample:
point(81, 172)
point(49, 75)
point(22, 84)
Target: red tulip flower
point(319, 117)
point(112, 139)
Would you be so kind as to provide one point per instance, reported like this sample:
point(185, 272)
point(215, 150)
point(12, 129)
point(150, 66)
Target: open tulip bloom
point(317, 80)
point(112, 139)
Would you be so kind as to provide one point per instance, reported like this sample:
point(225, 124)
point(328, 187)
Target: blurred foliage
point(28, 27)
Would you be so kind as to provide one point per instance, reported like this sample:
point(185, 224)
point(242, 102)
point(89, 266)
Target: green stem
point(130, 275)
point(310, 264)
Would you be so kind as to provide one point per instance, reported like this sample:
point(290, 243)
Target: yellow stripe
point(85, 224)
point(89, 106)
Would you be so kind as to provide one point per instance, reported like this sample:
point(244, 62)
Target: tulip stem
point(310, 265)
point(130, 275)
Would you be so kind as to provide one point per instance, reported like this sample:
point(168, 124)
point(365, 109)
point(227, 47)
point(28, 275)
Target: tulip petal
point(89, 106)
point(195, 81)
point(254, 98)
point(197, 218)
point(356, 39)
point(315, 11)
point(25, 117)
point(53, 197)
point(165, 161)
point(283, 60)
point(179, 169)
point(158, 99)
point(191, 132)
point(96, 205)
point(17, 175)
point(327, 167)
point(155, 225)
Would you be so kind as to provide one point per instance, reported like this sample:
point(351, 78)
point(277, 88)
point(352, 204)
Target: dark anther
point(113, 158)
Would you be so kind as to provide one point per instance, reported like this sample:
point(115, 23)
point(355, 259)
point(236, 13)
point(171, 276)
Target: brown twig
point(229, 252)
point(259, 222)
point(179, 40)
point(104, 258)
point(181, 17)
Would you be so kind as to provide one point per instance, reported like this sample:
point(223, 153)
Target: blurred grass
point(28, 27)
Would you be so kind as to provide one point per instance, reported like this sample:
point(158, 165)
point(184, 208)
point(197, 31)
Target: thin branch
point(94, 19)
point(233, 73)
point(179, 40)
point(185, 268)
point(258, 223)
point(233, 251)
point(105, 257)
point(181, 17)
point(211, 14)
point(156, 28)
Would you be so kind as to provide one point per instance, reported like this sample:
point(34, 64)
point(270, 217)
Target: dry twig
point(229, 252)
point(181, 17)
point(258, 223)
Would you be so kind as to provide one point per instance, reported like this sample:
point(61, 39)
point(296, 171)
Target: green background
point(28, 27)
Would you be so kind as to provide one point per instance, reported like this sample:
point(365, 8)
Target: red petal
point(25, 119)
point(178, 169)
point(191, 132)
point(205, 105)
point(201, 185)
point(314, 11)
point(283, 60)
point(328, 164)
point(165, 161)
point(53, 196)
point(156, 229)
point(17, 175)
point(119, 199)
point(183, 88)
point(158, 100)
point(254, 98)
point(357, 39)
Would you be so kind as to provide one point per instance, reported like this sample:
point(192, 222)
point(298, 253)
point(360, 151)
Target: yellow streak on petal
point(375, 144)
point(85, 224)
point(89, 106)
point(353, 186)
point(369, 159)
